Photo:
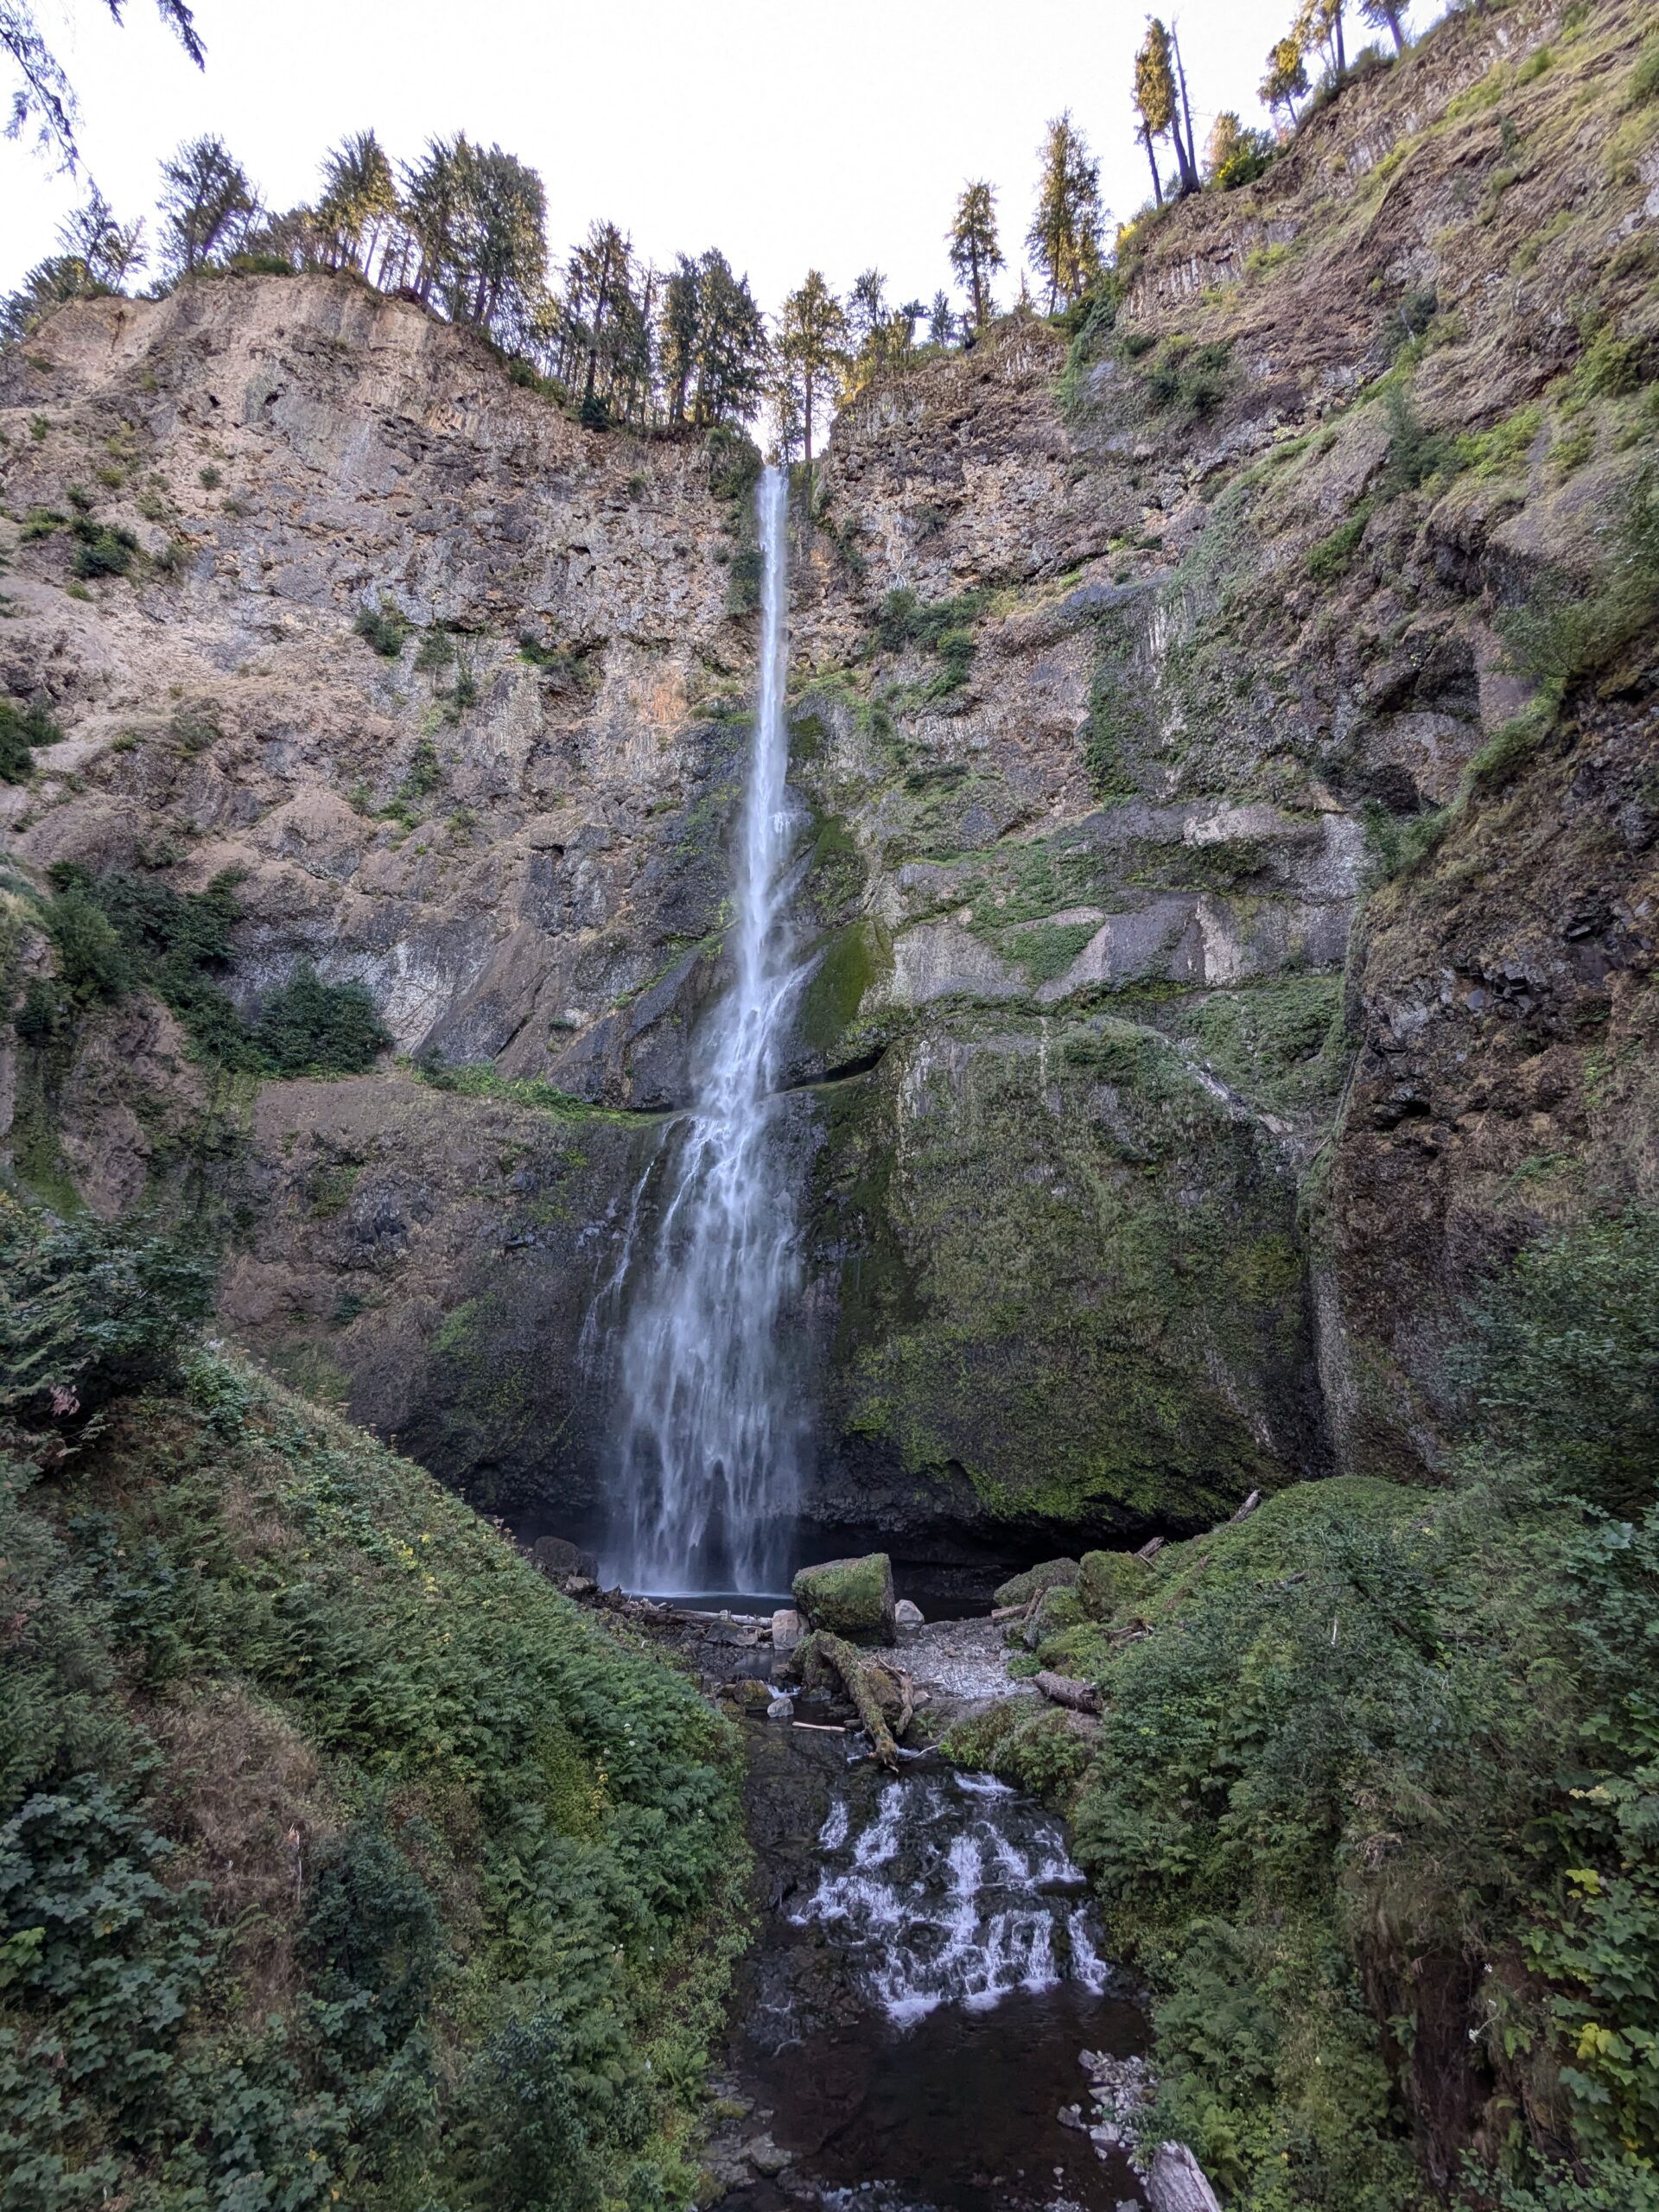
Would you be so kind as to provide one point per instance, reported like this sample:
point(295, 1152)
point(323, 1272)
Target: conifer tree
point(1319, 24)
point(975, 254)
point(712, 341)
point(45, 93)
point(1389, 15)
point(866, 306)
point(358, 210)
point(1159, 99)
point(1285, 81)
point(940, 320)
point(112, 252)
point(207, 207)
point(811, 345)
point(1064, 235)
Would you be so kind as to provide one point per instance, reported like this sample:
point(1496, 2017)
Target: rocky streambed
point(926, 2019)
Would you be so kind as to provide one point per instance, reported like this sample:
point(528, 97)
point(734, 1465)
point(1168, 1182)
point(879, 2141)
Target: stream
point(926, 1977)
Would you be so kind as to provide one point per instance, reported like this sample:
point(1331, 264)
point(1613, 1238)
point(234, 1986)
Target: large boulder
point(559, 1559)
point(1020, 1589)
point(1109, 1579)
point(851, 1598)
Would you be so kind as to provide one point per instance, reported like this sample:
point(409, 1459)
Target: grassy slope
point(343, 1859)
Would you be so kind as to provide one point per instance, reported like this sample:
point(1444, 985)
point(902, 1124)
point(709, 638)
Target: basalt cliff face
point(1223, 954)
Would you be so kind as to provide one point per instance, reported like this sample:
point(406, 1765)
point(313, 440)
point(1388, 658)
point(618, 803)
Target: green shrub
point(1333, 556)
point(20, 729)
point(101, 548)
point(492, 1920)
point(1562, 1361)
point(87, 1307)
point(383, 628)
point(1415, 454)
point(310, 1027)
point(1193, 378)
point(1645, 77)
point(1252, 153)
point(92, 962)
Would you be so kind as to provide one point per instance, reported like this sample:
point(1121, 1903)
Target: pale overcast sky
point(786, 136)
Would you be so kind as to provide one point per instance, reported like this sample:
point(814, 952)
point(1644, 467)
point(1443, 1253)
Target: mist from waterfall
point(710, 1438)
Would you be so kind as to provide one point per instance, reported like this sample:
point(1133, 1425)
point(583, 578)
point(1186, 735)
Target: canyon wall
point(1222, 955)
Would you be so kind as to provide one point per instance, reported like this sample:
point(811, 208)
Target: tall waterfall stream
point(926, 1977)
point(710, 1437)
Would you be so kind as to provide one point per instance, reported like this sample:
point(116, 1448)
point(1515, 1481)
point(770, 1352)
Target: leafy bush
point(101, 548)
point(1333, 556)
point(943, 627)
point(20, 729)
point(1190, 377)
point(310, 1027)
point(87, 1307)
point(1252, 153)
point(383, 627)
point(1562, 1361)
point(1566, 633)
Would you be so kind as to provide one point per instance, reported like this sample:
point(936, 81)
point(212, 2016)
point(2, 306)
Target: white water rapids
point(709, 1442)
point(958, 1892)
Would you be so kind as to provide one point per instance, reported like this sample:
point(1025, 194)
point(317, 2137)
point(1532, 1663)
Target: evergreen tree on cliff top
point(358, 212)
point(208, 206)
point(1157, 104)
point(1064, 235)
point(712, 343)
point(975, 254)
point(811, 345)
point(1285, 81)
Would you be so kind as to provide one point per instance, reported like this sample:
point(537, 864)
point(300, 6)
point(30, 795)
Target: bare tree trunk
point(1184, 149)
point(1151, 163)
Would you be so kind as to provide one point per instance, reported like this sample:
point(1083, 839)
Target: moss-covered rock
point(1020, 1589)
point(850, 1597)
point(1109, 1579)
point(1058, 1608)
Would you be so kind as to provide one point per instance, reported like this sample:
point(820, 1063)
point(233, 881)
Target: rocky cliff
point(1229, 884)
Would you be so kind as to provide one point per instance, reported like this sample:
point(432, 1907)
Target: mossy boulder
point(1058, 1608)
point(851, 1598)
point(1020, 1589)
point(1109, 1579)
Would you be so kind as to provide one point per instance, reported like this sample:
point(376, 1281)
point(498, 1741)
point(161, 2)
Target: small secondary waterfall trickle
point(709, 1443)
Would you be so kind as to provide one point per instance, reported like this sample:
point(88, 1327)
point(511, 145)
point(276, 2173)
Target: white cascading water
point(709, 1442)
point(956, 1891)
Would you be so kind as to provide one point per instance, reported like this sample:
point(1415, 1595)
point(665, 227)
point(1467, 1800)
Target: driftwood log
point(1066, 1689)
point(873, 1687)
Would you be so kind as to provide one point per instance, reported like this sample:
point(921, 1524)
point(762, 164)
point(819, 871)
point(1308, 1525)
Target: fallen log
point(1066, 1689)
point(822, 1653)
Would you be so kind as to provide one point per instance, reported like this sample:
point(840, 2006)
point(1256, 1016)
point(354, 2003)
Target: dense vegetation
point(342, 1861)
point(115, 933)
point(1372, 1798)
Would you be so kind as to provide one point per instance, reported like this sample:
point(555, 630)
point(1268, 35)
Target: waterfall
point(709, 1442)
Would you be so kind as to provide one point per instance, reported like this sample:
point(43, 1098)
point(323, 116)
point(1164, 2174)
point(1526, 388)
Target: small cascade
point(710, 1436)
point(953, 1889)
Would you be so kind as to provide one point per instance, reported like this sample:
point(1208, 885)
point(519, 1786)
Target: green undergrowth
point(342, 1859)
point(119, 932)
point(1371, 1798)
point(516, 1090)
